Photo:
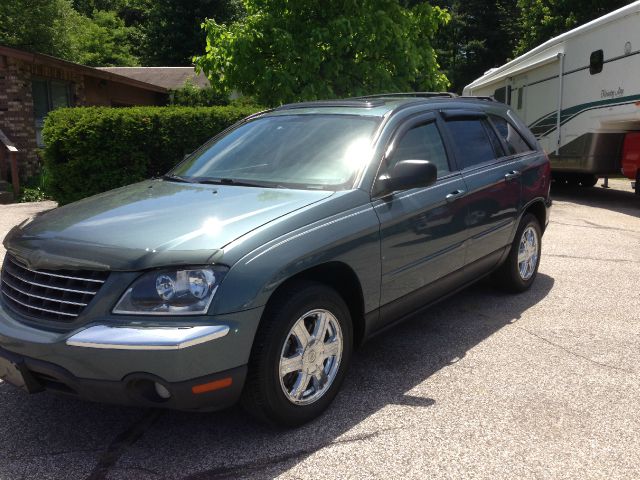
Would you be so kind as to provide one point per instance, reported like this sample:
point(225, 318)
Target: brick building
point(33, 84)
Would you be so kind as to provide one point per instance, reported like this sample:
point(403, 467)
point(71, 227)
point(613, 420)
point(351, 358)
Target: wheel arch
point(344, 280)
point(539, 210)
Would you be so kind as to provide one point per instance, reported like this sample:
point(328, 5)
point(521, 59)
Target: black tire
point(263, 396)
point(587, 181)
point(507, 277)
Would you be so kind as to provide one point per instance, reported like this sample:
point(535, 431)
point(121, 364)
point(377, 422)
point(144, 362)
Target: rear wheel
point(587, 180)
point(300, 355)
point(520, 269)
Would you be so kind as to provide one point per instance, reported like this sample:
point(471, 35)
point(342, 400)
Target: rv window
point(520, 97)
point(470, 142)
point(596, 61)
point(503, 95)
point(515, 143)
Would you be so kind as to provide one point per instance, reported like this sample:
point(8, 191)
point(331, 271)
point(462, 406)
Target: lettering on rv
point(612, 93)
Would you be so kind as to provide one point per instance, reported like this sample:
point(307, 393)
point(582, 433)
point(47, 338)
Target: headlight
point(172, 292)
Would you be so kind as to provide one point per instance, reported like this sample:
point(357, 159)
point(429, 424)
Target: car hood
point(152, 223)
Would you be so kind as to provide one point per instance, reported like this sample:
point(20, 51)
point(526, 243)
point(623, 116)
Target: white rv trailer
point(579, 93)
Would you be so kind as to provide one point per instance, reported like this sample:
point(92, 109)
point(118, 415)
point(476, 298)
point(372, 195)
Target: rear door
point(493, 179)
point(422, 229)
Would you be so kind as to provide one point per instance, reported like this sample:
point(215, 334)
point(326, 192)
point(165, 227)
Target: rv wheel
point(587, 180)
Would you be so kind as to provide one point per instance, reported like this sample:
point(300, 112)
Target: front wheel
point(519, 271)
point(300, 355)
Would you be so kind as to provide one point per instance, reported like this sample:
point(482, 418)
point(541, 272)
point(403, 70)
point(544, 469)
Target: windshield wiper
point(239, 183)
point(176, 178)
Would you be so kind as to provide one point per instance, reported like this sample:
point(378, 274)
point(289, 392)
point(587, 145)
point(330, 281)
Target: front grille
point(52, 295)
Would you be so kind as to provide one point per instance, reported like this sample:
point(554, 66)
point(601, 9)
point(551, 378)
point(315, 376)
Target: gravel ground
point(542, 385)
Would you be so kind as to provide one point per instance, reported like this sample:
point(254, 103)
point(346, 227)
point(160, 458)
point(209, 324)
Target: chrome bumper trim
point(145, 338)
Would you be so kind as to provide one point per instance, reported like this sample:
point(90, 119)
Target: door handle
point(453, 196)
point(512, 175)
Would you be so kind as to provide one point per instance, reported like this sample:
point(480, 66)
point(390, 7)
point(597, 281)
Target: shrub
point(33, 189)
point(32, 194)
point(93, 149)
point(192, 96)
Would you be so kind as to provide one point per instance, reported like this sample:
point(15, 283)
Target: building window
point(596, 61)
point(48, 95)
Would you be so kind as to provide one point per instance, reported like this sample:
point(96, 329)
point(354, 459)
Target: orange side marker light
point(211, 386)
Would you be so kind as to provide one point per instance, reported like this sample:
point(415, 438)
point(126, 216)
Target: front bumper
point(208, 393)
point(111, 361)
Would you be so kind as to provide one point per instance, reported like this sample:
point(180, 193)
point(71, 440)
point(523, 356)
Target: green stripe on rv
point(548, 123)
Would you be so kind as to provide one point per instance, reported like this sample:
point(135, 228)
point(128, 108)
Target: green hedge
point(94, 149)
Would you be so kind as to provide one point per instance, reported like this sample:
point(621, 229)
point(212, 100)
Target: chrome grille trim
point(42, 285)
point(38, 308)
point(49, 299)
point(57, 296)
point(80, 279)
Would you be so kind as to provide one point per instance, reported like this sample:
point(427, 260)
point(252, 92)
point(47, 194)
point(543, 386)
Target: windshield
point(298, 151)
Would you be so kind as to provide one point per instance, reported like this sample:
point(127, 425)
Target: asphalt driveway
point(483, 386)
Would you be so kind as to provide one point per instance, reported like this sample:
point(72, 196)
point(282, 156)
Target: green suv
point(254, 268)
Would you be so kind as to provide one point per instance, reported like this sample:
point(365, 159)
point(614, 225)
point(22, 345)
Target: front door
point(422, 229)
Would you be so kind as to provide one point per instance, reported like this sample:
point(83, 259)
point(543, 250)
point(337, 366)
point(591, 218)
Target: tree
point(541, 20)
point(54, 27)
point(481, 35)
point(324, 49)
point(37, 25)
point(102, 41)
point(172, 28)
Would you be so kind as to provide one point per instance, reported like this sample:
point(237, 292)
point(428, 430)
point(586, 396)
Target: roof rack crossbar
point(410, 94)
point(354, 103)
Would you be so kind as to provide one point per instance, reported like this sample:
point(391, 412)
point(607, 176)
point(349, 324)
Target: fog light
point(162, 391)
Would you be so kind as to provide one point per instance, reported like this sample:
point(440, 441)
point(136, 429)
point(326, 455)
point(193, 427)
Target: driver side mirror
point(408, 174)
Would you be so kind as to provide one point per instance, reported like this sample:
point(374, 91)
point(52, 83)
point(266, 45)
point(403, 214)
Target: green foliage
point(541, 20)
point(54, 27)
point(191, 96)
point(480, 36)
point(91, 150)
point(102, 40)
point(32, 190)
point(324, 49)
point(37, 25)
point(32, 194)
point(171, 28)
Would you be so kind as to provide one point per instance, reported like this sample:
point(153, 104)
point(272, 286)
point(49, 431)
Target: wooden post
point(13, 153)
point(3, 165)
point(13, 160)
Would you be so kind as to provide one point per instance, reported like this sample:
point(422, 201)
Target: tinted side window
point(515, 143)
point(422, 143)
point(470, 142)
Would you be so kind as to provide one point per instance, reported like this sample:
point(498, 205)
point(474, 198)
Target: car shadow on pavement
point(626, 202)
point(45, 436)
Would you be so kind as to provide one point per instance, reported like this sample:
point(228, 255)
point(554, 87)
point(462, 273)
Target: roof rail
point(411, 94)
point(354, 103)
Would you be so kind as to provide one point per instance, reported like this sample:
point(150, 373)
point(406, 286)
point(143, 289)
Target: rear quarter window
point(516, 144)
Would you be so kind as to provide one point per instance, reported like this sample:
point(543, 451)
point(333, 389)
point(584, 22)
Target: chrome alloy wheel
point(310, 357)
point(528, 253)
